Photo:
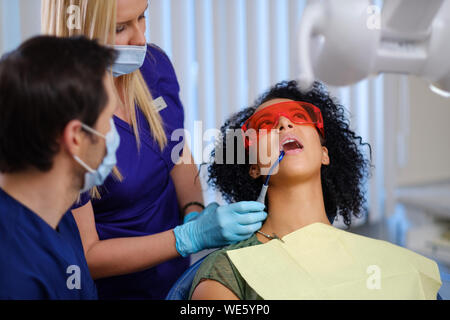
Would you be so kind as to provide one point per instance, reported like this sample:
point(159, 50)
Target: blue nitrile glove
point(217, 226)
point(190, 216)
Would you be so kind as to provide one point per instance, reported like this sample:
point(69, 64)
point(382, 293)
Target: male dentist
point(57, 138)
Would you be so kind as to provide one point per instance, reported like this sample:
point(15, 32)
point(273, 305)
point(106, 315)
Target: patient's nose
point(284, 124)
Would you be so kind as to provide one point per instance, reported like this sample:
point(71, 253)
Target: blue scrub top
point(145, 202)
point(38, 262)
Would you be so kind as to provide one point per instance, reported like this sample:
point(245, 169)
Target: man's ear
point(325, 156)
point(71, 138)
point(255, 171)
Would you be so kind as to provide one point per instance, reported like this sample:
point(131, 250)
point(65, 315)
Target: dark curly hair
point(342, 181)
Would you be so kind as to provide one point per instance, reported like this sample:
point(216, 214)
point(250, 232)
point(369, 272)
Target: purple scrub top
point(145, 202)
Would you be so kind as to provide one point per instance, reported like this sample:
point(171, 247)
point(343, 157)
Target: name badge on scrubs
point(160, 104)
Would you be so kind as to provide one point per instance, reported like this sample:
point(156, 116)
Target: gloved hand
point(217, 226)
point(190, 216)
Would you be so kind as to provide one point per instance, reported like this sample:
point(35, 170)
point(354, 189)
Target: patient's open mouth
point(291, 145)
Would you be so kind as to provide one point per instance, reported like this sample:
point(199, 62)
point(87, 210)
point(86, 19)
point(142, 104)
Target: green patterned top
point(218, 266)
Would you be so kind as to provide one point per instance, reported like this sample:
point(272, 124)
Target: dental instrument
point(262, 194)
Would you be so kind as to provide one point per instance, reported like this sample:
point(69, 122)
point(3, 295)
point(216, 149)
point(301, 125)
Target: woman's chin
point(294, 169)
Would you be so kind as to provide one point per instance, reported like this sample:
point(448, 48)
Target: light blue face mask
point(129, 60)
point(97, 177)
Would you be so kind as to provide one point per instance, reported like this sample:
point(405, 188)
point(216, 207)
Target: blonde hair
point(96, 19)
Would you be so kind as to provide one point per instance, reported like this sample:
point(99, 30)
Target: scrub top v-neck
point(38, 262)
point(145, 201)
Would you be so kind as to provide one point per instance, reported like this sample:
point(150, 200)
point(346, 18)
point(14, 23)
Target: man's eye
point(142, 17)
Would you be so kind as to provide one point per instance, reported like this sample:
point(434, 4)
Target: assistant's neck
point(122, 112)
point(49, 194)
point(294, 206)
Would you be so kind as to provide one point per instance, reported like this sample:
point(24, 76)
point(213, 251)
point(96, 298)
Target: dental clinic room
point(117, 181)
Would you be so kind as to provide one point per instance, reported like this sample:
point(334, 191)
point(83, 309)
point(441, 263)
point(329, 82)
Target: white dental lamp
point(345, 41)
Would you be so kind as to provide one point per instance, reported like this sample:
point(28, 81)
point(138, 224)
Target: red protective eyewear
point(297, 112)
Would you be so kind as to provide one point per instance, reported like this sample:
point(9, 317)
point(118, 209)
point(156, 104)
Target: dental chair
point(180, 290)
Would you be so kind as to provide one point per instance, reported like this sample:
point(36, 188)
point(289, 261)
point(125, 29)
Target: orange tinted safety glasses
point(298, 112)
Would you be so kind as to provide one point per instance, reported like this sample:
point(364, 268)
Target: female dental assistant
point(133, 241)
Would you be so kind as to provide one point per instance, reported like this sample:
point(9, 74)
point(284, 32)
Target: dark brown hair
point(44, 84)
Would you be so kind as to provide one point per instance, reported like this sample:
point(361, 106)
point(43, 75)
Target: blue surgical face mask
point(97, 177)
point(129, 60)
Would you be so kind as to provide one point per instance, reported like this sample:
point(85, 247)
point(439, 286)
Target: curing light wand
point(262, 194)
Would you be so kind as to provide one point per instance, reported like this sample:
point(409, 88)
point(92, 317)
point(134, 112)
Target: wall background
point(427, 137)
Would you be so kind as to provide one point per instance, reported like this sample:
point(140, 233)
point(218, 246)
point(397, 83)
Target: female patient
point(320, 178)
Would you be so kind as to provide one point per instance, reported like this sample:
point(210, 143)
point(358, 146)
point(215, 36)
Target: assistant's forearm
point(187, 184)
point(113, 257)
point(190, 192)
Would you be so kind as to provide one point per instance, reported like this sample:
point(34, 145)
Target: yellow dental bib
point(322, 262)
